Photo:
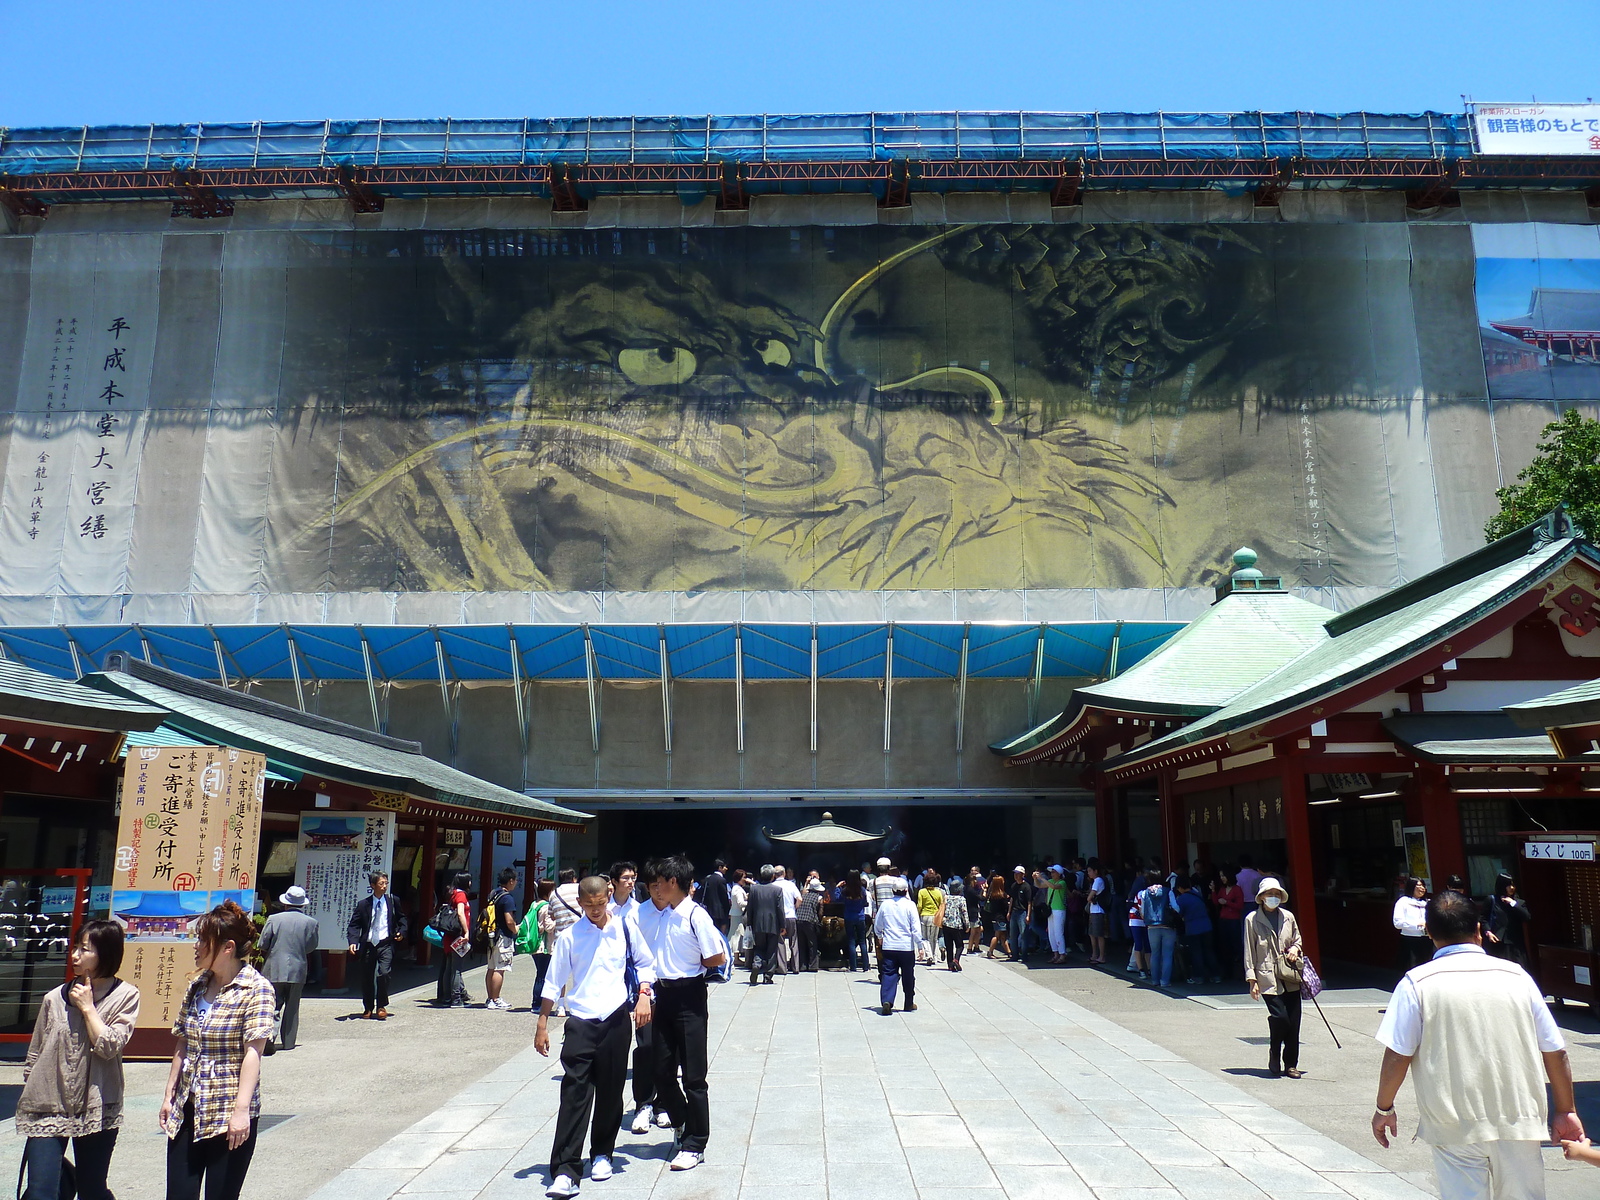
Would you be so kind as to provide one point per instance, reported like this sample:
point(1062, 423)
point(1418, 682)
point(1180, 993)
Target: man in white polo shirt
point(684, 943)
point(1482, 1042)
point(593, 960)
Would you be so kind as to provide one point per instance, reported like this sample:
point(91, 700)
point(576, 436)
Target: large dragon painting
point(978, 406)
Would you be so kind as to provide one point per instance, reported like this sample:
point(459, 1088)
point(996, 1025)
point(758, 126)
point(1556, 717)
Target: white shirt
point(1097, 895)
point(630, 906)
point(378, 927)
point(680, 937)
point(897, 924)
point(590, 963)
point(738, 898)
point(1401, 1029)
point(1410, 916)
point(791, 893)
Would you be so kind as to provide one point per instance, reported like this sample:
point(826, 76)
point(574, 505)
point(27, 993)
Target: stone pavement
point(996, 1088)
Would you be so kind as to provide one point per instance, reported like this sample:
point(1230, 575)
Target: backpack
point(488, 919)
point(529, 937)
point(446, 922)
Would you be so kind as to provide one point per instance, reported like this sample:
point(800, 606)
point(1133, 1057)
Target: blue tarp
point(847, 137)
point(922, 650)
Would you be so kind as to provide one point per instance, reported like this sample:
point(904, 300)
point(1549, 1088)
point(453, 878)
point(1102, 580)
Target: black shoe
point(911, 1007)
point(886, 1009)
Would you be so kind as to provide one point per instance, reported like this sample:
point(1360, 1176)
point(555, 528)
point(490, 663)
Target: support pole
point(216, 647)
point(485, 867)
point(738, 683)
point(1114, 652)
point(961, 687)
point(813, 687)
point(72, 649)
point(1174, 830)
point(1441, 823)
point(1038, 677)
point(888, 687)
point(449, 690)
point(666, 690)
point(516, 691)
point(591, 677)
point(294, 670)
point(1107, 844)
point(372, 686)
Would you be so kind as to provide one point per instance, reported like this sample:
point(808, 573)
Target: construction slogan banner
point(186, 842)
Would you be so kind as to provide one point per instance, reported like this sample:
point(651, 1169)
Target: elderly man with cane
point(1479, 1043)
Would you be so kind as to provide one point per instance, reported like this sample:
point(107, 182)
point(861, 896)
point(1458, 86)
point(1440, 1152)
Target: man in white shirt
point(791, 921)
point(625, 903)
point(593, 960)
point(899, 934)
point(1483, 1043)
point(685, 943)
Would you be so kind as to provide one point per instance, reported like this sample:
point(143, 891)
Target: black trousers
point(810, 945)
point(208, 1161)
point(764, 955)
point(644, 1065)
point(450, 986)
point(288, 997)
point(1283, 1023)
point(680, 1041)
point(541, 968)
point(594, 1061)
point(954, 940)
point(91, 1160)
point(375, 963)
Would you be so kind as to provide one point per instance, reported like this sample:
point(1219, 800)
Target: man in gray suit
point(288, 939)
point(764, 915)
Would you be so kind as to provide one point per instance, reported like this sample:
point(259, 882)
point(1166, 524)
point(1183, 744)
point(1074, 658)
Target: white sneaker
point(641, 1119)
point(686, 1160)
point(600, 1168)
point(561, 1187)
point(496, 1004)
point(663, 1121)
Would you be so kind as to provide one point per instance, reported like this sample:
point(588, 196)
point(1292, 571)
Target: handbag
point(432, 936)
point(1310, 981)
point(1288, 975)
point(446, 921)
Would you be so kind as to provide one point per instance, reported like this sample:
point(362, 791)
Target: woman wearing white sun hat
point(1273, 957)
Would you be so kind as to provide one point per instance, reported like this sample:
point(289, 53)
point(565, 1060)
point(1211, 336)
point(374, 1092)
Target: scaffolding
point(202, 168)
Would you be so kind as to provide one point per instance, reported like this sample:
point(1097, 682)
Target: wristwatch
point(1388, 1112)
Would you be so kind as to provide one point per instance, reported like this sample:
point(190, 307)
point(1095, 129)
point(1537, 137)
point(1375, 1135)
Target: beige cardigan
point(1261, 949)
point(71, 1088)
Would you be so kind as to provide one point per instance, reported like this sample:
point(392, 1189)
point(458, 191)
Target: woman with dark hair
point(1410, 911)
point(998, 910)
point(452, 993)
point(852, 892)
point(72, 1079)
point(213, 1098)
point(547, 937)
point(1506, 936)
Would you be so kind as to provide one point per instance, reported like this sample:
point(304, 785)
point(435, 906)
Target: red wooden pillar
point(1297, 835)
point(427, 889)
point(1174, 825)
point(486, 867)
point(1107, 844)
point(1441, 819)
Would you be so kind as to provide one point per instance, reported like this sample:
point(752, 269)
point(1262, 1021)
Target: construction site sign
point(1522, 129)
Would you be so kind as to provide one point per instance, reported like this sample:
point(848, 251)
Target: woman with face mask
point(213, 1098)
point(1272, 962)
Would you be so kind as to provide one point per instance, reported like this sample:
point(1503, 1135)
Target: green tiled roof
point(29, 695)
point(1372, 642)
point(297, 743)
point(1469, 738)
point(1571, 706)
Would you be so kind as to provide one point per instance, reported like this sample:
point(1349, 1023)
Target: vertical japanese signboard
point(187, 841)
point(337, 853)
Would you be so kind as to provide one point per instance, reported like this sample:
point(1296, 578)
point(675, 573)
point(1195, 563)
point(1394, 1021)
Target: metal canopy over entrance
point(728, 652)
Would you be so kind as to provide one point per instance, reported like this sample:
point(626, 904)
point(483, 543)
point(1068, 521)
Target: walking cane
point(1324, 1017)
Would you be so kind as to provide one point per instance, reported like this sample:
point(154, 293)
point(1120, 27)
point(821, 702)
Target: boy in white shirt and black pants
point(684, 944)
point(593, 960)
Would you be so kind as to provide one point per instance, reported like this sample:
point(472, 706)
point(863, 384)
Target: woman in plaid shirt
point(213, 1096)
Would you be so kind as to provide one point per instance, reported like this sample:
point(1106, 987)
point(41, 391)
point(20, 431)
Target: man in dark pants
point(899, 932)
point(376, 927)
point(764, 915)
point(808, 923)
point(625, 903)
point(685, 944)
point(715, 899)
point(591, 961)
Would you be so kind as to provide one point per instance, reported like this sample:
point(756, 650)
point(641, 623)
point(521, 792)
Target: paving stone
point(361, 1184)
point(947, 1167)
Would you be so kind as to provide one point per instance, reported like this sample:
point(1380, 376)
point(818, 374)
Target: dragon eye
point(773, 352)
point(661, 366)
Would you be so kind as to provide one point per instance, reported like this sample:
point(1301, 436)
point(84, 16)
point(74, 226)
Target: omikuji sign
point(1559, 851)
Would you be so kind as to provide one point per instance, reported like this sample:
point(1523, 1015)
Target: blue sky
point(100, 63)
point(1505, 285)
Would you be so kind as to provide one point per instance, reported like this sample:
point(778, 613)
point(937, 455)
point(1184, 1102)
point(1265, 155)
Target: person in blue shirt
point(1197, 945)
point(856, 897)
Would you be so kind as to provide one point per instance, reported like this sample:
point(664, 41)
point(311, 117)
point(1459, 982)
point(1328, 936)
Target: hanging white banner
point(1562, 129)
